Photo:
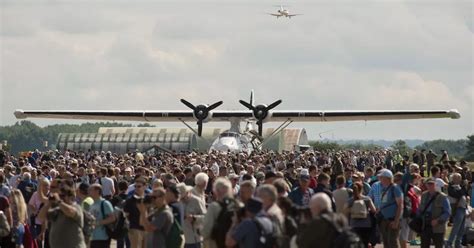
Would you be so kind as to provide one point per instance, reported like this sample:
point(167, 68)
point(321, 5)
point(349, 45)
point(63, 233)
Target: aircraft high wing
point(244, 115)
point(258, 114)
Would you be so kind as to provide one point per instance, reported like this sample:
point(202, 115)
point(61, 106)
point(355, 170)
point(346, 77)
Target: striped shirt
point(375, 194)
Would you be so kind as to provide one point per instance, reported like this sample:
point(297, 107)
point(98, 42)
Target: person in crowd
point(458, 196)
point(435, 211)
point(324, 186)
point(136, 233)
point(323, 220)
point(222, 192)
point(281, 182)
point(64, 218)
point(107, 183)
point(201, 180)
point(268, 195)
point(341, 194)
point(4, 187)
point(430, 161)
point(247, 232)
point(158, 223)
point(102, 210)
point(436, 175)
point(173, 200)
point(247, 190)
point(194, 212)
point(27, 186)
point(390, 211)
point(302, 194)
point(358, 209)
point(19, 215)
point(83, 197)
point(34, 206)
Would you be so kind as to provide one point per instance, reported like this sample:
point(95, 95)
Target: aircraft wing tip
point(454, 113)
point(20, 114)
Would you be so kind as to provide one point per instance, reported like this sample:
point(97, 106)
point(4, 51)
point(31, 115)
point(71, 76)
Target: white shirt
point(439, 184)
point(107, 185)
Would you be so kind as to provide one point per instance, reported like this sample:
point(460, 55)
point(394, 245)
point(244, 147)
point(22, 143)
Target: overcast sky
point(338, 55)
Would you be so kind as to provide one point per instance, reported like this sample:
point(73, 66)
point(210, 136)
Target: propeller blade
point(246, 104)
point(276, 103)
point(260, 128)
point(188, 104)
point(199, 123)
point(215, 105)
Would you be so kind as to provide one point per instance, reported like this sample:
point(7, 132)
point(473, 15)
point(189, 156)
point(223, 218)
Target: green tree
point(469, 156)
point(324, 146)
point(361, 147)
point(401, 146)
point(455, 148)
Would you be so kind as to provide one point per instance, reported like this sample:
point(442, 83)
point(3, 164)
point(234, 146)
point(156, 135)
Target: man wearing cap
point(302, 194)
point(390, 211)
point(247, 232)
point(435, 217)
point(194, 211)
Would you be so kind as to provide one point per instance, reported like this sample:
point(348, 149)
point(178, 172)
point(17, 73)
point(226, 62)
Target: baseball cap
point(385, 173)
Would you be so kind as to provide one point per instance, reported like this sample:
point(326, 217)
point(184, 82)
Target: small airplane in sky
point(237, 138)
point(283, 13)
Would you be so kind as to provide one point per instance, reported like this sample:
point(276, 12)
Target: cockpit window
point(229, 134)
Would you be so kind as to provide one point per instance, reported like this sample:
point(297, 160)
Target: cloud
point(148, 55)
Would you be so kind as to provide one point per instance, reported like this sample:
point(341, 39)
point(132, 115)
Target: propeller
point(260, 112)
point(201, 112)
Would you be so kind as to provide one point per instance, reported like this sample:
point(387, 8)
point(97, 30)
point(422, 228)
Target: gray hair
point(268, 190)
point(322, 201)
point(223, 185)
point(201, 178)
point(26, 176)
point(196, 169)
point(454, 176)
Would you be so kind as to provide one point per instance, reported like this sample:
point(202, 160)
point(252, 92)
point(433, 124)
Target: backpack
point(118, 229)
point(89, 224)
point(359, 209)
point(224, 220)
point(4, 225)
point(410, 202)
point(345, 237)
point(267, 239)
point(174, 238)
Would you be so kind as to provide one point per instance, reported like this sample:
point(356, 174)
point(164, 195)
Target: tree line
point(459, 149)
point(27, 136)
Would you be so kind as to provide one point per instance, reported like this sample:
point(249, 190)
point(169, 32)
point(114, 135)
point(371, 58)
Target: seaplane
point(282, 12)
point(238, 138)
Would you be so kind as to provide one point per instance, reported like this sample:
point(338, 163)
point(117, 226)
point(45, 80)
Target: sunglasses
point(138, 186)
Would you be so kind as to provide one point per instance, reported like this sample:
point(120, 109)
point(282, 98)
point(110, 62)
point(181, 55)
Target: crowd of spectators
point(227, 199)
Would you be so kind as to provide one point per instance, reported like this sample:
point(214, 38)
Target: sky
point(338, 55)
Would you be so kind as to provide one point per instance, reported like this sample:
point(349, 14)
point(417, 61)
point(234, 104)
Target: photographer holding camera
point(65, 219)
point(252, 229)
